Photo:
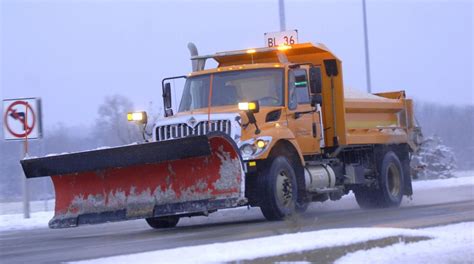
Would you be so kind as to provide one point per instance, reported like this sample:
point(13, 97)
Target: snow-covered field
point(35, 206)
point(444, 183)
point(451, 244)
point(12, 219)
point(10, 222)
point(448, 244)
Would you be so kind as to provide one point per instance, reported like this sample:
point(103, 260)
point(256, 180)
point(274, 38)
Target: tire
point(277, 187)
point(162, 222)
point(389, 192)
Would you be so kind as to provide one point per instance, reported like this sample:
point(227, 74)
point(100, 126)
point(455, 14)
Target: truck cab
point(286, 107)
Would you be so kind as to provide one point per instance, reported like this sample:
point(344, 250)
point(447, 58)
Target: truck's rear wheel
point(390, 185)
point(278, 190)
point(163, 222)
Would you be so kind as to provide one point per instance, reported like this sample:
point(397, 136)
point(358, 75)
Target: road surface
point(427, 208)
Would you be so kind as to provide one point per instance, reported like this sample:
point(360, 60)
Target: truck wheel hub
point(393, 180)
point(284, 189)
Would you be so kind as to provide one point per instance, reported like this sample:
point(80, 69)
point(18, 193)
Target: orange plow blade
point(177, 177)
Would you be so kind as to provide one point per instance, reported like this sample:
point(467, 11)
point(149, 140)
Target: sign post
point(25, 189)
point(22, 121)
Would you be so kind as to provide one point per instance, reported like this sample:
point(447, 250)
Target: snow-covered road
point(40, 219)
point(453, 243)
point(434, 203)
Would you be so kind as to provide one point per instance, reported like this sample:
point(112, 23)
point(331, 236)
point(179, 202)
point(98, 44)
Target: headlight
point(252, 148)
point(260, 143)
point(247, 150)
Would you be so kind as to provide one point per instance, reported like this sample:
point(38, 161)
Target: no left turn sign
point(22, 118)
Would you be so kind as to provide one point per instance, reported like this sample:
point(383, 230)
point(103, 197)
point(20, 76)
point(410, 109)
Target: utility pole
point(281, 7)
point(366, 40)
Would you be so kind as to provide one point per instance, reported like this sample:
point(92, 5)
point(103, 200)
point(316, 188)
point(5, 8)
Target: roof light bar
point(241, 52)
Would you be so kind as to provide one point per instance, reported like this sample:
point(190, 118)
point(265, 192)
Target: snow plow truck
point(269, 127)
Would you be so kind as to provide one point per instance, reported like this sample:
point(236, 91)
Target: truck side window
point(297, 88)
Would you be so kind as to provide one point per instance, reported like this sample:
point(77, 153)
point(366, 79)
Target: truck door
point(300, 117)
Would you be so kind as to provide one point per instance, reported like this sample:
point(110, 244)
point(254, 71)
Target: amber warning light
point(139, 117)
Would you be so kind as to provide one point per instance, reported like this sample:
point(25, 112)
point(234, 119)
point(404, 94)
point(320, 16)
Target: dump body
point(376, 118)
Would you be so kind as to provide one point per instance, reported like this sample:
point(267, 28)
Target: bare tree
point(111, 127)
point(154, 113)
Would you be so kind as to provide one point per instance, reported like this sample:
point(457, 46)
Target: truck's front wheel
point(163, 222)
point(390, 185)
point(278, 190)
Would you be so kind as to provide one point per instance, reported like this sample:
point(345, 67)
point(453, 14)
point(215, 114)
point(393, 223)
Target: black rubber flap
point(118, 157)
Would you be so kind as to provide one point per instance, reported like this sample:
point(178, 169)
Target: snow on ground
point(444, 183)
point(11, 215)
point(452, 242)
point(252, 248)
point(464, 173)
point(11, 222)
point(35, 206)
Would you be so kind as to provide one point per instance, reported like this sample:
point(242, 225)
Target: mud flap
point(189, 175)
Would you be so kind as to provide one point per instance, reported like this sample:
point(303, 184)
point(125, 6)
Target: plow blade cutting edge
point(177, 177)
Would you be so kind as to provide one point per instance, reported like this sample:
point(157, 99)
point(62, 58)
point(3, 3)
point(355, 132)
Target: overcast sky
point(74, 53)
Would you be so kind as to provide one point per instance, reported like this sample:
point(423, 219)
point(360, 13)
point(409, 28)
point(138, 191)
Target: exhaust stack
point(197, 64)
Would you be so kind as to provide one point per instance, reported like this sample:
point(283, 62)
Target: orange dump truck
point(270, 127)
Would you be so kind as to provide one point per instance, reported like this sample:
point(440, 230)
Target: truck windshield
point(230, 88)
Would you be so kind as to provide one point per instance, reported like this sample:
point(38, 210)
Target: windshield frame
point(282, 95)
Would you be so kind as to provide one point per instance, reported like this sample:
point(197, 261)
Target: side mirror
point(316, 99)
point(166, 86)
point(167, 99)
point(315, 80)
point(331, 68)
point(167, 95)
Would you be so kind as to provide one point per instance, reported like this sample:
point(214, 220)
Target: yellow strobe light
point(250, 51)
point(283, 47)
point(140, 117)
point(245, 106)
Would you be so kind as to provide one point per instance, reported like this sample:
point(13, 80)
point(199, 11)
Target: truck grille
point(175, 131)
